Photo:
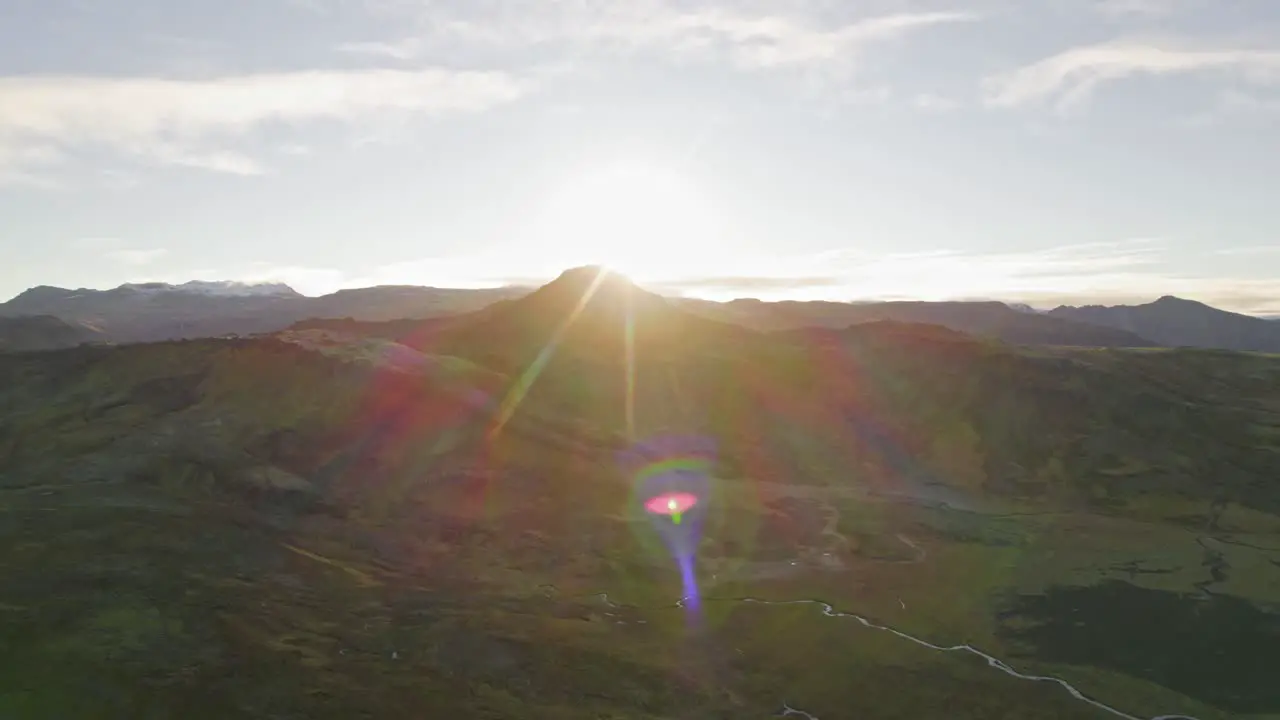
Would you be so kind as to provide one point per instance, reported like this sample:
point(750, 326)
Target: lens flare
point(673, 505)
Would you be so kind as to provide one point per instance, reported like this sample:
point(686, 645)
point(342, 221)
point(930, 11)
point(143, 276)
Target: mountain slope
point(41, 332)
point(1182, 323)
point(985, 319)
point(919, 383)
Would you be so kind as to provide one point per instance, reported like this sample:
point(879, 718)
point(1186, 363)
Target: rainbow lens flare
point(673, 505)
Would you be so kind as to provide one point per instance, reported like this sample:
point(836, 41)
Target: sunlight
point(640, 220)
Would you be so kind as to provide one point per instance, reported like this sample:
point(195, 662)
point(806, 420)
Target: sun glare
point(637, 219)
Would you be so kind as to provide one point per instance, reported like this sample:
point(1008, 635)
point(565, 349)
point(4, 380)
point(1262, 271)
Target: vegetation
point(268, 529)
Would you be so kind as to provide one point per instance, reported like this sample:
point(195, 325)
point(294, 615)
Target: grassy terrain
point(266, 529)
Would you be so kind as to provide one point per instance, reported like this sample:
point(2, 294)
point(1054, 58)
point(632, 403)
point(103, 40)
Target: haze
point(1041, 152)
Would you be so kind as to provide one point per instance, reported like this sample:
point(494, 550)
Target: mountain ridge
point(144, 312)
point(1179, 322)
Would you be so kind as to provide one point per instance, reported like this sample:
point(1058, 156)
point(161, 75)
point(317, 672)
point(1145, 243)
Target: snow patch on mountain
point(215, 288)
point(1024, 308)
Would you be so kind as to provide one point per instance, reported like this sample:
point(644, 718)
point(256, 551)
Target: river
point(994, 662)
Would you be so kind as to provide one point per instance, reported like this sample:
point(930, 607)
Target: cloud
point(94, 243)
point(135, 257)
point(1141, 8)
point(189, 122)
point(750, 283)
point(773, 39)
point(1249, 250)
point(931, 102)
point(115, 250)
point(1072, 76)
point(21, 165)
point(405, 49)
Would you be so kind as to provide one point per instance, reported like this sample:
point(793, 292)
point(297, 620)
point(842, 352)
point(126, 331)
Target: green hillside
point(418, 520)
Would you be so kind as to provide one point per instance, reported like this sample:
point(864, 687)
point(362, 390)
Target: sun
point(638, 219)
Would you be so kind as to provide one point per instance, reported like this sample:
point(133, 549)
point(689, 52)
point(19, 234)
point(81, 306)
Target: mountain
point(144, 312)
point(988, 319)
point(41, 332)
point(391, 302)
point(1181, 323)
point(223, 288)
point(1023, 308)
point(451, 517)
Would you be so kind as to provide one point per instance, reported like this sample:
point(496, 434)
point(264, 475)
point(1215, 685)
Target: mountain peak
point(1173, 301)
point(586, 276)
point(596, 287)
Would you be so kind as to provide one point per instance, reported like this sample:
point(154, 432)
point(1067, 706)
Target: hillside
point(1182, 323)
point(418, 518)
point(41, 332)
point(988, 319)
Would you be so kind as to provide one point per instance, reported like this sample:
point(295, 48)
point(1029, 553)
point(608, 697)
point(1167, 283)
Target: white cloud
point(775, 41)
point(95, 243)
point(780, 37)
point(114, 250)
point(189, 122)
point(935, 103)
point(135, 257)
point(1141, 8)
point(21, 165)
point(1072, 76)
point(1250, 250)
point(405, 49)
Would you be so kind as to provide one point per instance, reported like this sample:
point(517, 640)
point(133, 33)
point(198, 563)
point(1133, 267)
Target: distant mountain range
point(149, 312)
point(146, 312)
point(1184, 323)
point(984, 319)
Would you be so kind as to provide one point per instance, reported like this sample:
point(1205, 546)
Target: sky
point(1057, 151)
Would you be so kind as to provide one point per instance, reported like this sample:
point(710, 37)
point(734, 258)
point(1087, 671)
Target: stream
point(994, 662)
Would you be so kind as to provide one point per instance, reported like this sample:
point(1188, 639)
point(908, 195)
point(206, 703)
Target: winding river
point(994, 662)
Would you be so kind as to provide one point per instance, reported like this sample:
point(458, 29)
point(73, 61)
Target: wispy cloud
point(1071, 77)
point(779, 38)
point(935, 274)
point(931, 102)
point(1142, 8)
point(190, 122)
point(115, 250)
point(1249, 250)
point(21, 165)
point(135, 257)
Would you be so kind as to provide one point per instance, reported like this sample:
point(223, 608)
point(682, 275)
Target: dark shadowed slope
point(895, 397)
point(985, 319)
point(1182, 323)
point(42, 332)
